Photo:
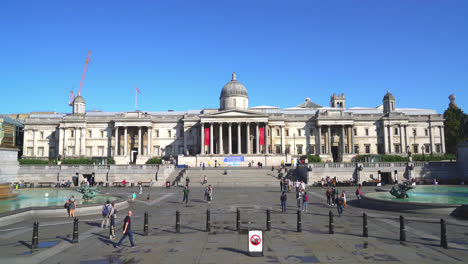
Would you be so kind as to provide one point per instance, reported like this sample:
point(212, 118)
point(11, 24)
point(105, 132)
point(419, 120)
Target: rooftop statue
point(89, 192)
point(399, 191)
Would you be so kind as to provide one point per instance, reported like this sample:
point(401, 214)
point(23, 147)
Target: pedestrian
point(303, 186)
point(127, 230)
point(133, 196)
point(358, 192)
point(333, 196)
point(205, 196)
point(290, 185)
point(321, 183)
point(328, 193)
point(328, 181)
point(298, 198)
point(305, 200)
point(281, 185)
point(343, 196)
point(112, 224)
point(210, 193)
point(298, 185)
point(186, 193)
point(203, 165)
point(205, 179)
point(71, 206)
point(339, 205)
point(106, 214)
point(140, 188)
point(283, 198)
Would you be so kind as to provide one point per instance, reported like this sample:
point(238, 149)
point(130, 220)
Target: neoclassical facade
point(236, 133)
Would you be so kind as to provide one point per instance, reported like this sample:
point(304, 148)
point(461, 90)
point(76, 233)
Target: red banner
point(207, 136)
point(262, 136)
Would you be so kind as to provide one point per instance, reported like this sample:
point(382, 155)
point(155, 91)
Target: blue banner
point(234, 159)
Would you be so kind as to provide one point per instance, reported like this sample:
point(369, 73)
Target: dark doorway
point(334, 153)
point(134, 156)
point(386, 177)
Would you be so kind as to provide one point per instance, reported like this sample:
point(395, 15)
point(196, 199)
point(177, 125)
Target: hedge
point(110, 161)
point(33, 161)
point(154, 161)
point(314, 159)
point(393, 158)
point(77, 161)
point(419, 157)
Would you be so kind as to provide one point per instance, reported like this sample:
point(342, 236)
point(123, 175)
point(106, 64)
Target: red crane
point(84, 72)
point(72, 97)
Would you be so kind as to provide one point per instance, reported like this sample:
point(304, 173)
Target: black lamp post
point(422, 150)
point(294, 136)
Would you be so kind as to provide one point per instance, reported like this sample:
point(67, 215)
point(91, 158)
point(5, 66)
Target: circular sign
point(255, 240)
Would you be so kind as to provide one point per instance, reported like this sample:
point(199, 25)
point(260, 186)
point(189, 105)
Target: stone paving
point(283, 244)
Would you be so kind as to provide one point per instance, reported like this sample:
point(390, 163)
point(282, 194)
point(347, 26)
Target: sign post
point(255, 243)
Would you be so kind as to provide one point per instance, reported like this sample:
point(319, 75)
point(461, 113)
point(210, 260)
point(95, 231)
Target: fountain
point(5, 192)
point(89, 192)
point(400, 190)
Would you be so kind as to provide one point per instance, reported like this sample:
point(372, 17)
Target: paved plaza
point(283, 244)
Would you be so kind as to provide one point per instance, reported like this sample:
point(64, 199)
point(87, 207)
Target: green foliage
point(454, 130)
point(419, 157)
point(77, 161)
point(154, 161)
point(33, 161)
point(314, 159)
point(110, 161)
point(393, 158)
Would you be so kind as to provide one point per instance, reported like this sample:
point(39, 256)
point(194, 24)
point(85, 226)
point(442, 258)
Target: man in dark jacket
point(284, 198)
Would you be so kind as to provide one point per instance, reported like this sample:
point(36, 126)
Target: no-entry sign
point(255, 243)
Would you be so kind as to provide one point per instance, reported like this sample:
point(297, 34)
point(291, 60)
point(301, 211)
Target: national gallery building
point(236, 134)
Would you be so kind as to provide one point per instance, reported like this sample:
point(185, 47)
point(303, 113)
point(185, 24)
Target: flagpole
point(136, 100)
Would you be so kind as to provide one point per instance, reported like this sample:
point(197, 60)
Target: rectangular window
point(90, 133)
point(40, 151)
point(278, 149)
point(102, 133)
point(156, 151)
point(101, 151)
point(396, 131)
point(30, 151)
point(71, 151)
point(438, 148)
point(299, 132)
point(323, 149)
point(346, 149)
point(355, 132)
point(287, 132)
point(72, 133)
point(156, 133)
point(426, 132)
point(277, 132)
point(367, 131)
point(415, 148)
point(312, 149)
point(89, 151)
point(414, 132)
point(427, 148)
point(397, 148)
point(169, 134)
point(268, 132)
point(367, 149)
point(42, 134)
point(299, 149)
point(287, 149)
point(52, 152)
point(356, 149)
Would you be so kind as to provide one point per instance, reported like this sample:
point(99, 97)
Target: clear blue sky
point(181, 53)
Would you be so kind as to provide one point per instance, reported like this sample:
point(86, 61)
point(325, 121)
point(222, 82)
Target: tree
point(455, 130)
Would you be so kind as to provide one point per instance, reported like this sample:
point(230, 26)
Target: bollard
point(35, 238)
point(299, 221)
point(238, 219)
point(331, 225)
point(145, 227)
point(208, 220)
point(268, 220)
point(365, 228)
point(443, 234)
point(112, 228)
point(75, 231)
point(177, 222)
point(402, 229)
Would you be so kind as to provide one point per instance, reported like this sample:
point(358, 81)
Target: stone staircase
point(236, 177)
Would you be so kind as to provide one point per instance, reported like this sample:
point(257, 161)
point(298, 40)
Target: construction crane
point(84, 73)
point(72, 97)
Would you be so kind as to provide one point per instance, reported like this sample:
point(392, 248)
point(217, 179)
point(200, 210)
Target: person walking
point(127, 230)
point(298, 198)
point(71, 206)
point(205, 196)
point(339, 205)
point(140, 188)
point(210, 194)
point(303, 186)
point(343, 196)
point(106, 214)
point(321, 183)
point(297, 184)
point(133, 196)
point(283, 199)
point(305, 200)
point(205, 179)
point(112, 223)
point(186, 194)
point(328, 181)
point(328, 193)
point(281, 185)
point(358, 192)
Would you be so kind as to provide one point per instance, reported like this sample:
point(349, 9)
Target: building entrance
point(134, 155)
point(386, 177)
point(335, 153)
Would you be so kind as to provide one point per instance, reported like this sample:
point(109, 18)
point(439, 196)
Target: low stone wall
point(266, 160)
point(102, 173)
point(445, 172)
point(462, 161)
point(8, 165)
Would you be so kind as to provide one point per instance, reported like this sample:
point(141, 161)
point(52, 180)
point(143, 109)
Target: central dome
point(233, 88)
point(234, 95)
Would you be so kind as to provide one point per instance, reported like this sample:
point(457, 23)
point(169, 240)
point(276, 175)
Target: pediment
point(236, 113)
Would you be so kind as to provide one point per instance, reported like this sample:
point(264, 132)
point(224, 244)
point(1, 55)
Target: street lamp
point(422, 150)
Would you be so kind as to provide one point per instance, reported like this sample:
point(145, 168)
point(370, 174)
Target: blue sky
point(181, 53)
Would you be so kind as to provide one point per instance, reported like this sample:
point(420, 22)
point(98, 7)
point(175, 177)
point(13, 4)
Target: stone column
point(65, 143)
point(385, 145)
point(401, 139)
point(248, 138)
point(230, 137)
point(329, 140)
point(77, 145)
point(185, 141)
point(35, 142)
point(60, 145)
point(319, 140)
point(342, 141)
point(239, 142)
point(257, 138)
point(352, 140)
point(221, 146)
point(139, 140)
point(116, 151)
point(149, 141)
point(125, 141)
point(442, 139)
point(390, 144)
point(431, 138)
point(266, 138)
point(211, 138)
point(202, 136)
point(283, 142)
